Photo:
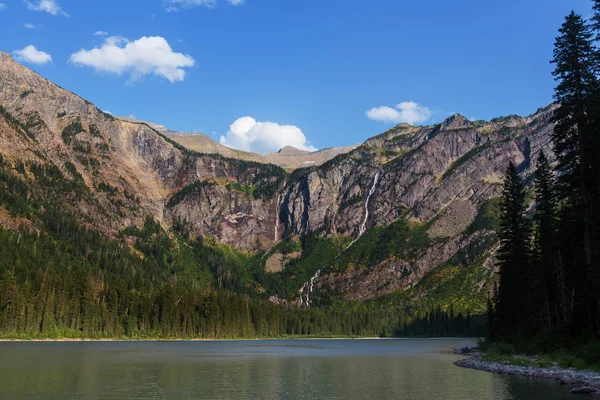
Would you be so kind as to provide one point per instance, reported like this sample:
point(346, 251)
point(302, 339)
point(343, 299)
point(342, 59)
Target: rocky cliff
point(438, 178)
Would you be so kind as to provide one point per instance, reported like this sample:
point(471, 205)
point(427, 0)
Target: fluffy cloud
point(29, 26)
point(32, 55)
point(3, 7)
point(145, 56)
point(100, 33)
point(175, 5)
point(407, 111)
point(264, 137)
point(49, 6)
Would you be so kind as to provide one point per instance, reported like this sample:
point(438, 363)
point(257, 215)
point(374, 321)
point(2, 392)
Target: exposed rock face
point(142, 168)
point(440, 174)
point(445, 171)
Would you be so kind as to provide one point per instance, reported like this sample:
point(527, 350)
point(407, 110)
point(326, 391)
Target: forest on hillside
point(61, 279)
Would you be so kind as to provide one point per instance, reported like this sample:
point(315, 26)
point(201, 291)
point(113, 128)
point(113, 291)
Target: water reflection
point(336, 369)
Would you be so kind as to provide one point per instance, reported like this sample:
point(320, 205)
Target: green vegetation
point(583, 356)
point(15, 124)
point(193, 189)
point(401, 240)
point(108, 188)
point(238, 187)
point(94, 131)
point(71, 130)
point(548, 301)
point(26, 93)
point(487, 217)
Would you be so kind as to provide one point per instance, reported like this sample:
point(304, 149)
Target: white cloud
point(29, 26)
point(264, 137)
point(100, 33)
point(3, 6)
point(176, 5)
point(49, 6)
point(32, 55)
point(145, 56)
point(407, 111)
point(473, 119)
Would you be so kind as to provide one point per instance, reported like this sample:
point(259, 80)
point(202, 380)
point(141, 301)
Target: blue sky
point(311, 73)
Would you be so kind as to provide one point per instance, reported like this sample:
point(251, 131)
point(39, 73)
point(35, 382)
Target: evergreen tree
point(545, 243)
point(575, 139)
point(513, 257)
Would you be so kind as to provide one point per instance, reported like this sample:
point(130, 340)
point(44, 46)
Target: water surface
point(300, 369)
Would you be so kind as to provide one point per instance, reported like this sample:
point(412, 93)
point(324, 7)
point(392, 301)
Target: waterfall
point(363, 226)
point(277, 217)
point(309, 287)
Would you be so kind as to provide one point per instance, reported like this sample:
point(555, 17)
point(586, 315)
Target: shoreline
point(581, 381)
point(76, 340)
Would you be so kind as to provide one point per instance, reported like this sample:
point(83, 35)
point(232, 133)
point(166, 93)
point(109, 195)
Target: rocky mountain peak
point(457, 121)
point(290, 150)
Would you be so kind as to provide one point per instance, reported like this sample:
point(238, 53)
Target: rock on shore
point(585, 382)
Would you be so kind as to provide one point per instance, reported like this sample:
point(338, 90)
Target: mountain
point(288, 158)
point(410, 212)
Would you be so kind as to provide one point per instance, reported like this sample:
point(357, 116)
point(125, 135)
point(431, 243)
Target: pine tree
point(545, 243)
point(513, 257)
point(575, 138)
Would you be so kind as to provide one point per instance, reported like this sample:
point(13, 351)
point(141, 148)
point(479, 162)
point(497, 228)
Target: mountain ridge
point(429, 184)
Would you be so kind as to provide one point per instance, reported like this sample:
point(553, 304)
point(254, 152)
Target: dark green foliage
point(193, 189)
point(545, 250)
point(94, 131)
point(26, 93)
point(564, 277)
point(34, 121)
point(513, 257)
point(576, 144)
point(15, 124)
point(238, 187)
point(400, 239)
point(106, 187)
point(487, 217)
point(71, 130)
point(82, 147)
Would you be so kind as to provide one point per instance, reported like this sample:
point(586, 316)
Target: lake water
point(298, 369)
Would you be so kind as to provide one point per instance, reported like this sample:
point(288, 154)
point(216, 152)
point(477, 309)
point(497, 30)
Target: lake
point(287, 369)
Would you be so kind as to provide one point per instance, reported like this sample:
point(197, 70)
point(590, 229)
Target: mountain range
point(411, 211)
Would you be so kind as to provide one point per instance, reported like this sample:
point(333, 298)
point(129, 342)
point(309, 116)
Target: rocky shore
point(584, 382)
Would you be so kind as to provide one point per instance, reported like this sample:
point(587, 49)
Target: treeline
point(46, 291)
point(59, 278)
point(549, 291)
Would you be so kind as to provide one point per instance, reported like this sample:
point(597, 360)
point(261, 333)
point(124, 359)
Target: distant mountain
point(289, 157)
point(409, 212)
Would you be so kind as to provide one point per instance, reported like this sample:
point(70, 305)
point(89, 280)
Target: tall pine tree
point(576, 67)
point(545, 244)
point(512, 311)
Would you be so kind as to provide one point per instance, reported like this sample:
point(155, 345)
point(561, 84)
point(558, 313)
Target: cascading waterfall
point(307, 289)
point(363, 226)
point(277, 217)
